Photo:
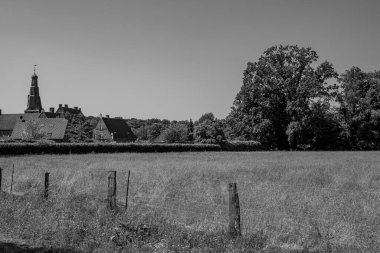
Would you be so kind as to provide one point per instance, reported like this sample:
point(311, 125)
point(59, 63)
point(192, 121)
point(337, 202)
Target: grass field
point(294, 201)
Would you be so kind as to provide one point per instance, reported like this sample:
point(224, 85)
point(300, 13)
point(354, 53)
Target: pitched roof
point(54, 128)
point(8, 121)
point(69, 110)
point(51, 115)
point(120, 127)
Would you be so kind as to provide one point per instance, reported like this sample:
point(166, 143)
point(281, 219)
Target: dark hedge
point(241, 146)
point(83, 148)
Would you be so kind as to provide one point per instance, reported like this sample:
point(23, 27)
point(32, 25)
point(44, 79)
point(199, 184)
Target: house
point(113, 129)
point(8, 121)
point(62, 110)
point(52, 128)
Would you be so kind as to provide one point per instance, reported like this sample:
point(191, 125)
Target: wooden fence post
point(126, 197)
point(13, 171)
point(46, 192)
point(112, 190)
point(234, 211)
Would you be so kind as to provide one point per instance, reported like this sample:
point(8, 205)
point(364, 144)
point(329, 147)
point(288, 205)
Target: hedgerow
point(241, 146)
point(83, 148)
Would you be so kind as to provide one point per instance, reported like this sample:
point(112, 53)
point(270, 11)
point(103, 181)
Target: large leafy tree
point(360, 108)
point(176, 132)
point(154, 131)
point(190, 131)
point(277, 96)
point(209, 129)
point(33, 131)
point(320, 130)
point(79, 129)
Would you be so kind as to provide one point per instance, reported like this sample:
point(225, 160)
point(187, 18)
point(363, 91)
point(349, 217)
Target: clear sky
point(173, 59)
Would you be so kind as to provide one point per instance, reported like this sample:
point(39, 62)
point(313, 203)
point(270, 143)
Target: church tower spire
point(34, 100)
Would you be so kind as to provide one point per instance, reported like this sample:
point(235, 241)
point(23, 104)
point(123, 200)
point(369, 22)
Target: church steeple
point(34, 100)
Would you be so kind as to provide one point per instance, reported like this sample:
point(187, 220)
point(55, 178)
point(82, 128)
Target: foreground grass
point(305, 201)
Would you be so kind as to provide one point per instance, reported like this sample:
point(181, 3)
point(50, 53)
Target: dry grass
point(305, 201)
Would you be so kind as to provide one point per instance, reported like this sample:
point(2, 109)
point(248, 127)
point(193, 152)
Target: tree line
point(286, 102)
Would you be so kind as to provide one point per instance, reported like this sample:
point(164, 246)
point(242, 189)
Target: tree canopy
point(360, 108)
point(277, 96)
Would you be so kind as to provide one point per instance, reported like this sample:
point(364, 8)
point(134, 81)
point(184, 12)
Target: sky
point(167, 59)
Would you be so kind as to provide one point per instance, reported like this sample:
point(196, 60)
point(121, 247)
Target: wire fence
point(285, 212)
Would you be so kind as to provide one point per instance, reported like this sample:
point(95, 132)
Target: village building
point(113, 130)
point(8, 121)
point(33, 110)
point(52, 123)
point(34, 99)
point(62, 110)
point(52, 129)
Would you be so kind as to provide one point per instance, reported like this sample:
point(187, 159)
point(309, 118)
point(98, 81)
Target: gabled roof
point(8, 121)
point(54, 128)
point(51, 115)
point(69, 110)
point(120, 127)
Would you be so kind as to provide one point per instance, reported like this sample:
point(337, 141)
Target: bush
point(175, 133)
point(209, 132)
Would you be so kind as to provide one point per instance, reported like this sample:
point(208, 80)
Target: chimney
point(76, 107)
point(80, 109)
point(66, 105)
point(107, 116)
point(60, 105)
point(51, 109)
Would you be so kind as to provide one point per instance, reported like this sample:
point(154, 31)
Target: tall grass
point(293, 200)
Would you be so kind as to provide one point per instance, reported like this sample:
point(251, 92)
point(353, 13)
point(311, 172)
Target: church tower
point(34, 100)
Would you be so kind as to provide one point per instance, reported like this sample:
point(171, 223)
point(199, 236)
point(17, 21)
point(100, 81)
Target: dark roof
point(118, 126)
point(8, 121)
point(54, 128)
point(51, 115)
point(69, 110)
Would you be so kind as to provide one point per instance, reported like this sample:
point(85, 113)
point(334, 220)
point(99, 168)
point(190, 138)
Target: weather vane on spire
point(35, 68)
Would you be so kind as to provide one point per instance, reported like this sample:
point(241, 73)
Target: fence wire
point(214, 211)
